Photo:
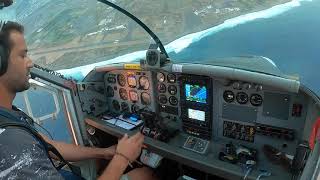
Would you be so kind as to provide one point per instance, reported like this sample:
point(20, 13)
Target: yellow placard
point(132, 66)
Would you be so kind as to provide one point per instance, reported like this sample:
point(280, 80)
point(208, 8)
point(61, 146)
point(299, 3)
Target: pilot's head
point(15, 64)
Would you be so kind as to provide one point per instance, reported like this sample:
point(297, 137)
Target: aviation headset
point(4, 52)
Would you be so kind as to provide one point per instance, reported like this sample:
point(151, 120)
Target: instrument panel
point(211, 112)
point(129, 91)
point(205, 107)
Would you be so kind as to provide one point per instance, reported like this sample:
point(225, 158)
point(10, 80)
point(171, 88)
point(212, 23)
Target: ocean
point(291, 39)
point(288, 34)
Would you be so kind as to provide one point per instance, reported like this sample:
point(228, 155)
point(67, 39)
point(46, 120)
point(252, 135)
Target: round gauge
point(163, 99)
point(123, 93)
point(162, 88)
point(135, 108)
point(144, 83)
point(110, 92)
point(121, 79)
point(133, 96)
point(115, 105)
point(228, 96)
point(124, 107)
point(173, 100)
point(172, 89)
point(242, 98)
point(161, 77)
point(132, 82)
point(171, 78)
point(145, 98)
point(111, 79)
point(256, 100)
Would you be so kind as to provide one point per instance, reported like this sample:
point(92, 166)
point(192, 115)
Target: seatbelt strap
point(8, 119)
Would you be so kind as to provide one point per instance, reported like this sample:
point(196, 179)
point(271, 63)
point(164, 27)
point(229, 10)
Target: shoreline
point(183, 42)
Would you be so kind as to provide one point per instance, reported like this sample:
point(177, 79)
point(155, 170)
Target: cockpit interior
point(227, 122)
point(229, 118)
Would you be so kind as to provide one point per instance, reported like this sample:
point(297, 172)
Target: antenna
point(145, 27)
point(5, 3)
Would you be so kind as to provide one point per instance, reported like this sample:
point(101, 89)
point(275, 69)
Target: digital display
point(196, 114)
point(196, 93)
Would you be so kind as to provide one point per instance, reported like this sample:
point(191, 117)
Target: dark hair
point(7, 28)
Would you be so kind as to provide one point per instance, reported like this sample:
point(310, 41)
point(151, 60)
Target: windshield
point(68, 34)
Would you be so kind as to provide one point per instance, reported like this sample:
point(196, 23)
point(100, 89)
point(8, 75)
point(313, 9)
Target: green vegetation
point(85, 24)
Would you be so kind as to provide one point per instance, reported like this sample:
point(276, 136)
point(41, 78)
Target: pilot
point(22, 155)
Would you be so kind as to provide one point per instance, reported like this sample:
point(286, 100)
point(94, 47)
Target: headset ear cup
point(3, 60)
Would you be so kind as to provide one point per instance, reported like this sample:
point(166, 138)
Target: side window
point(46, 105)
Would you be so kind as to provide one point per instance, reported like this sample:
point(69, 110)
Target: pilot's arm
point(72, 152)
point(128, 149)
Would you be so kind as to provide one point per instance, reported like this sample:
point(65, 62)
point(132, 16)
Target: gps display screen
point(196, 93)
point(196, 114)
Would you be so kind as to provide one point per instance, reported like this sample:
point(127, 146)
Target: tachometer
point(144, 83)
point(121, 79)
point(145, 98)
point(123, 93)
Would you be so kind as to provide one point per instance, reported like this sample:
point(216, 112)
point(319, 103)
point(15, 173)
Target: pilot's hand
point(130, 147)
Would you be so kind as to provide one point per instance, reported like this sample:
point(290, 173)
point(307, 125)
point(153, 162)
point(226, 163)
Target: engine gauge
point(242, 98)
point(135, 108)
point(133, 96)
point(228, 96)
point(115, 105)
point(161, 77)
point(132, 82)
point(145, 98)
point(110, 92)
point(163, 99)
point(256, 100)
point(162, 88)
point(173, 100)
point(144, 83)
point(171, 78)
point(172, 89)
point(121, 79)
point(123, 94)
point(125, 107)
point(111, 79)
